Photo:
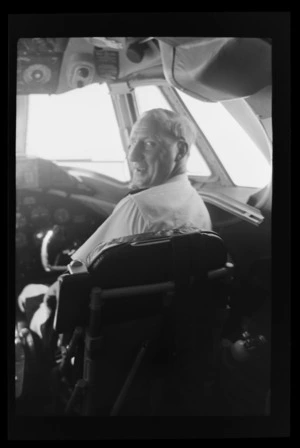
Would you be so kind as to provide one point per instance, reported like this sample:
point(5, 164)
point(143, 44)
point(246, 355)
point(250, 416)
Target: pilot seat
point(140, 330)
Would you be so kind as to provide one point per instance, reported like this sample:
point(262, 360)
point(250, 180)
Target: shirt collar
point(178, 178)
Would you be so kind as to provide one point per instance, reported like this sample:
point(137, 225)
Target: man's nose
point(134, 152)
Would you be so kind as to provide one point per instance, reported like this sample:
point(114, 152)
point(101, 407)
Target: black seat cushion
point(185, 328)
point(166, 256)
point(156, 257)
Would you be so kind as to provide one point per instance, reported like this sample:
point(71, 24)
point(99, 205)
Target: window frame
point(239, 110)
point(219, 172)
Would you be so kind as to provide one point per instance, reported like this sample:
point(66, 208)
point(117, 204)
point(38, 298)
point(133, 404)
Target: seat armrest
point(72, 308)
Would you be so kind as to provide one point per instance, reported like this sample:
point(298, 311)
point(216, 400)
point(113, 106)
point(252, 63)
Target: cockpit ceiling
point(211, 69)
point(57, 65)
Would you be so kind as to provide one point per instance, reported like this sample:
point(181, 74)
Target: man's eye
point(150, 144)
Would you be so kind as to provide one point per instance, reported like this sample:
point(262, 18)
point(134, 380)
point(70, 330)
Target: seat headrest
point(149, 257)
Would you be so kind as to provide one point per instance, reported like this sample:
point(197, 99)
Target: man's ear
point(182, 150)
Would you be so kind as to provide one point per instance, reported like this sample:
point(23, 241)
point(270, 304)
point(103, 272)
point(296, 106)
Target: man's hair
point(177, 125)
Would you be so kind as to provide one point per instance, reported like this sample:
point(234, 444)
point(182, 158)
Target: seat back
point(147, 295)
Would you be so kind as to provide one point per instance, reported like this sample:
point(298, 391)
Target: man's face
point(151, 154)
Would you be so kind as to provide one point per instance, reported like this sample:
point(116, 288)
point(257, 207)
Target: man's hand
point(45, 310)
point(50, 297)
point(30, 291)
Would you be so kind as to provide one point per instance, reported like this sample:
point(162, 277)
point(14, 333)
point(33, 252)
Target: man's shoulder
point(125, 201)
point(180, 184)
point(129, 207)
point(135, 191)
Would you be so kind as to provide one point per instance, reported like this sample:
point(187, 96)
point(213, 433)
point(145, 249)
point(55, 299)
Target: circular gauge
point(61, 215)
point(39, 212)
point(37, 73)
point(21, 240)
point(29, 200)
point(20, 220)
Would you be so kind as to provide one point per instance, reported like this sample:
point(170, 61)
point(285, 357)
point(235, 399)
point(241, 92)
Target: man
point(159, 147)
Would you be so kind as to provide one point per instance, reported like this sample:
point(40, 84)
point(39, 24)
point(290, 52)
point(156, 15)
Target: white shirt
point(163, 207)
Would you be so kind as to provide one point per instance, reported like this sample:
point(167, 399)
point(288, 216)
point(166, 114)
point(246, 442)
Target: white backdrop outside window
point(78, 128)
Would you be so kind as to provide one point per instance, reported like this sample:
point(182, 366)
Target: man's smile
point(139, 169)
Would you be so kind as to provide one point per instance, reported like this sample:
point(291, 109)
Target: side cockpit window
point(238, 153)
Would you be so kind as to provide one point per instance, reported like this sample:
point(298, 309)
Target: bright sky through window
point(244, 162)
point(81, 125)
point(76, 125)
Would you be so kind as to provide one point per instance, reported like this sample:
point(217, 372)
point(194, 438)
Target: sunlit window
point(150, 97)
point(240, 156)
point(78, 128)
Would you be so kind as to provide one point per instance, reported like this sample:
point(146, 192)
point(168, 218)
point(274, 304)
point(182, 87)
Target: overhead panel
point(38, 64)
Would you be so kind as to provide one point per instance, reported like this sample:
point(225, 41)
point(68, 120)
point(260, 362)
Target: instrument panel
point(36, 173)
point(36, 213)
point(38, 64)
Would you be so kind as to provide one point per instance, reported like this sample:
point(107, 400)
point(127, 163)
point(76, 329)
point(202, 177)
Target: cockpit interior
point(180, 324)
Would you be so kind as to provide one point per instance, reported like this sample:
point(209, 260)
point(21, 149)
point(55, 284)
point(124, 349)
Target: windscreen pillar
point(21, 123)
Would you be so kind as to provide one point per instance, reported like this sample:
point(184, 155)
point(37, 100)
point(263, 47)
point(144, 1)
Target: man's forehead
point(148, 125)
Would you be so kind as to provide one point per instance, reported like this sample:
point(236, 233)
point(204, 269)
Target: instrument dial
point(61, 215)
point(39, 212)
point(79, 219)
point(29, 200)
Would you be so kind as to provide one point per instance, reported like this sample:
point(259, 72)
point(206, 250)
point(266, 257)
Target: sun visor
point(217, 69)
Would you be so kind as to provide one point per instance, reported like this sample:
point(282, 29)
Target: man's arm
point(125, 220)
